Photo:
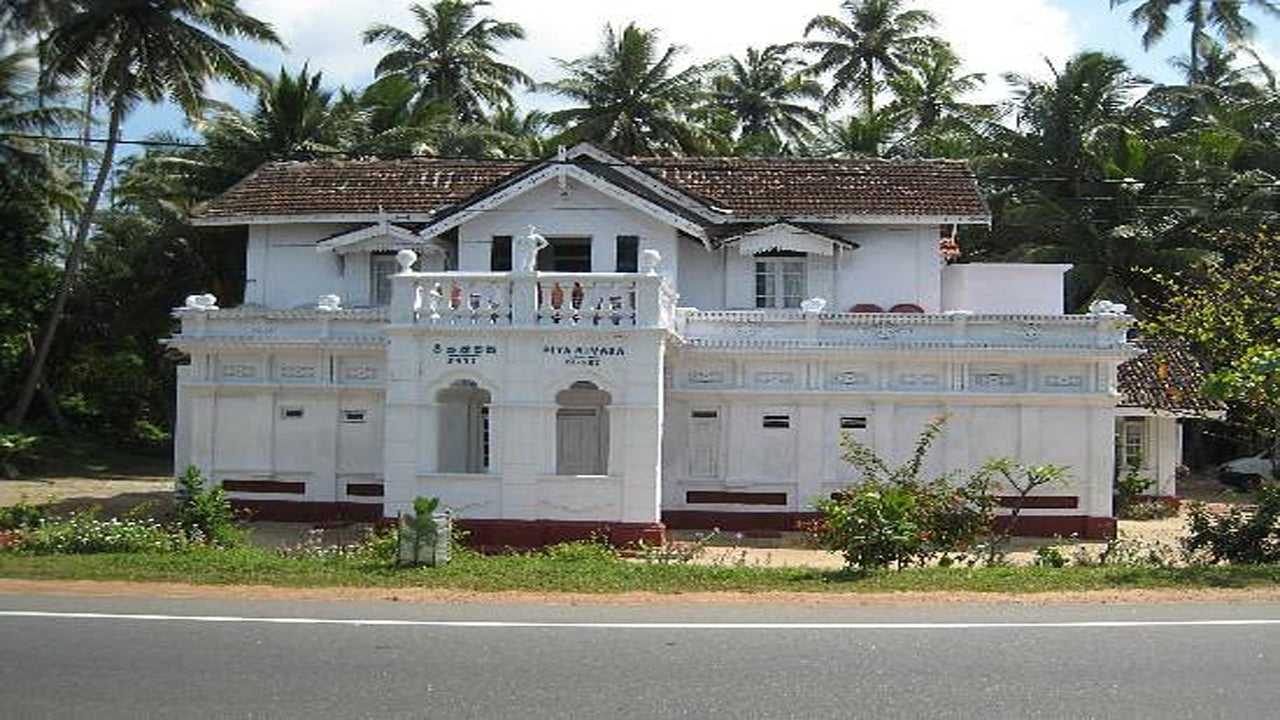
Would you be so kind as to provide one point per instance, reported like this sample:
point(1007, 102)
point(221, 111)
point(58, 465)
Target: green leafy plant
point(1239, 535)
point(22, 516)
point(582, 551)
point(1148, 510)
point(894, 517)
point(1023, 480)
point(203, 513)
point(1132, 485)
point(1050, 556)
point(85, 532)
point(16, 450)
point(420, 530)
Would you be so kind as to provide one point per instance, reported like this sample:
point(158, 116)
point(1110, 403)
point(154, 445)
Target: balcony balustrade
point(545, 300)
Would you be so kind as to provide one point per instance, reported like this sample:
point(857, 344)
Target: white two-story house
point(685, 351)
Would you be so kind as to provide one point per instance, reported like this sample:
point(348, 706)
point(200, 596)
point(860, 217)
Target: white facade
point(692, 391)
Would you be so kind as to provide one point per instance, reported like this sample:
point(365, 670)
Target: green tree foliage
point(767, 100)
point(874, 45)
point(1229, 318)
point(1225, 16)
point(629, 96)
point(452, 60)
point(126, 52)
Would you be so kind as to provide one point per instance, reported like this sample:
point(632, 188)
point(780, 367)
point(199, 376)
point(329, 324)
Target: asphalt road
point(258, 659)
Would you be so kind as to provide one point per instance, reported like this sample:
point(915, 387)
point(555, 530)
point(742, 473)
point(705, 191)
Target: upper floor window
point(628, 247)
point(381, 267)
point(780, 279)
point(566, 254)
point(500, 254)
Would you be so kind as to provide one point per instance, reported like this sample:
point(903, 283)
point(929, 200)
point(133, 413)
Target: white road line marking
point(641, 625)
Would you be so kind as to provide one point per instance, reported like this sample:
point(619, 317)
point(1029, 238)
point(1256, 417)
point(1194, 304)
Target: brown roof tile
point(322, 187)
point(1164, 377)
point(795, 186)
point(743, 186)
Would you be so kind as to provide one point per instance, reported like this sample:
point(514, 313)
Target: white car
point(1246, 472)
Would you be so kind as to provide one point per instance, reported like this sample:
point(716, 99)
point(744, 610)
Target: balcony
point(908, 331)
point(575, 301)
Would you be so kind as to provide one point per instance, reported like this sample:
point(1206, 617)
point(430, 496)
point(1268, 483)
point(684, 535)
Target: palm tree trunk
point(18, 413)
point(1197, 29)
point(869, 92)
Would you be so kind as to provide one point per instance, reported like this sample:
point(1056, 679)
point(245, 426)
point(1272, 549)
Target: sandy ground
point(116, 495)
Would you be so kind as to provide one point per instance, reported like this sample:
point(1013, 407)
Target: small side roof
point(1165, 377)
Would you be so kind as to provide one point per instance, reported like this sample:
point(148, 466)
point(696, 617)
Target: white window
point(464, 430)
point(1132, 443)
point(582, 430)
point(704, 443)
point(780, 280)
point(381, 267)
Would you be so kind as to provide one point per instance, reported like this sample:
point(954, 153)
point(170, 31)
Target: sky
point(991, 36)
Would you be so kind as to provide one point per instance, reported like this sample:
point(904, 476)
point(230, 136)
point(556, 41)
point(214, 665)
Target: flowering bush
point(893, 517)
point(84, 532)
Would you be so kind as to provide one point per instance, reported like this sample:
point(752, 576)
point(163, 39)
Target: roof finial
point(562, 157)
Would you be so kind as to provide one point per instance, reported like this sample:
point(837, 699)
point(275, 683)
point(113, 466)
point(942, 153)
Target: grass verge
point(535, 573)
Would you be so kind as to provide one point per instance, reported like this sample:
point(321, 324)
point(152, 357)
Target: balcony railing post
point(524, 299)
point(648, 301)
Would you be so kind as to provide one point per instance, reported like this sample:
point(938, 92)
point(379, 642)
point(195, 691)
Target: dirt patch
point(114, 495)
point(88, 588)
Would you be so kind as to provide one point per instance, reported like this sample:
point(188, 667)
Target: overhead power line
point(687, 163)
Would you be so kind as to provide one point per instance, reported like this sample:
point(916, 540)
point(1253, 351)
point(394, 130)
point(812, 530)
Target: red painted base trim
point(498, 535)
point(289, 511)
point(1089, 528)
point(1080, 526)
point(737, 521)
point(1056, 502)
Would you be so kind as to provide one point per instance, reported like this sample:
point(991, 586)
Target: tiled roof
point(742, 186)
point(794, 186)
point(1164, 377)
point(322, 187)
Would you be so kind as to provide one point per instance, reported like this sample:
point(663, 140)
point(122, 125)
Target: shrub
point(1130, 487)
point(1050, 556)
point(1148, 510)
point(84, 532)
point(21, 516)
point(581, 551)
point(204, 514)
point(16, 450)
point(1239, 535)
point(893, 517)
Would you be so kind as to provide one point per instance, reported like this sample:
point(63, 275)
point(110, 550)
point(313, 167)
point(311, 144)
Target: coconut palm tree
point(452, 58)
point(1225, 16)
point(928, 96)
point(295, 118)
point(24, 112)
point(127, 52)
point(1066, 120)
point(859, 135)
point(871, 47)
point(630, 97)
point(765, 93)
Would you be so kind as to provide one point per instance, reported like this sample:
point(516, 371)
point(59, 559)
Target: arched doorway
point(463, 427)
point(582, 430)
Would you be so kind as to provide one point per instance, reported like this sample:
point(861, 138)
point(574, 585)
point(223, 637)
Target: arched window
point(582, 430)
point(464, 428)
